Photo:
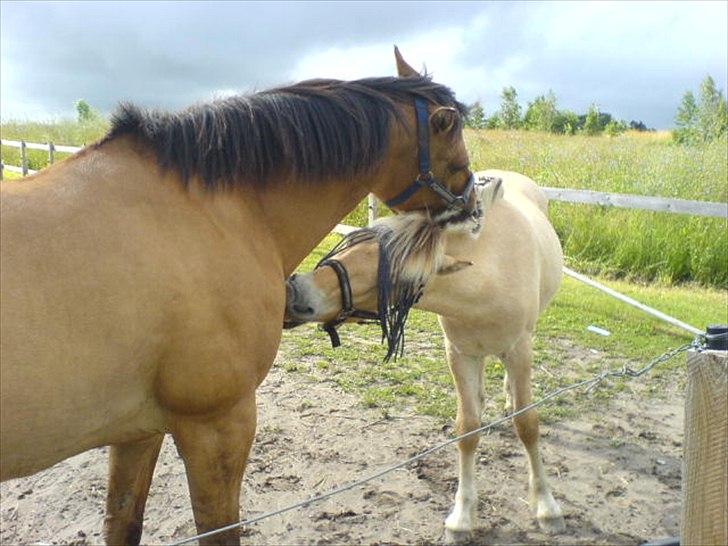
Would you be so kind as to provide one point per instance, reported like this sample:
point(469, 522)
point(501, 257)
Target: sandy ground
point(616, 474)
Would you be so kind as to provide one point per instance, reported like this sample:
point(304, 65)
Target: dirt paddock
point(615, 472)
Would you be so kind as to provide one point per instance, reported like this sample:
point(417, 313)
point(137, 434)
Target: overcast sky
point(632, 59)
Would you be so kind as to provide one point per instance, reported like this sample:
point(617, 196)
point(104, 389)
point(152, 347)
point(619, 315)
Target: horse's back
point(519, 187)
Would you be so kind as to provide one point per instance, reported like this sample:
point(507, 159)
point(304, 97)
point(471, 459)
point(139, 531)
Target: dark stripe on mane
point(314, 130)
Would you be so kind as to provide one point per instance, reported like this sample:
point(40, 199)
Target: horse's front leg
point(131, 466)
point(518, 362)
point(467, 371)
point(215, 449)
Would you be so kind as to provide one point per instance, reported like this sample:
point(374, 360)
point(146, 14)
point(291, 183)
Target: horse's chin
point(292, 323)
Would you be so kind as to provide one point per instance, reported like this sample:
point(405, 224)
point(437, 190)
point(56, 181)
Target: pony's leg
point(215, 450)
point(131, 466)
point(467, 371)
point(508, 405)
point(518, 362)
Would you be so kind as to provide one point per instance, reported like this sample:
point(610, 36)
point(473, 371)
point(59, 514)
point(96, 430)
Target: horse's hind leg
point(131, 466)
point(467, 371)
point(214, 450)
point(518, 363)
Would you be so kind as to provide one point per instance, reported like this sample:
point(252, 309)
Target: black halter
point(425, 178)
point(347, 304)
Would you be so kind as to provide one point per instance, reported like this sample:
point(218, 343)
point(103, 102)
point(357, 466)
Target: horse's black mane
point(314, 130)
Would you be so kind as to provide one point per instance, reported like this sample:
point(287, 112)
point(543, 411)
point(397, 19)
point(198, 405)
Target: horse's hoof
point(552, 525)
point(457, 537)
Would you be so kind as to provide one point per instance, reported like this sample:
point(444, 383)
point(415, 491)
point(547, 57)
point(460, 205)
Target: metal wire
point(590, 384)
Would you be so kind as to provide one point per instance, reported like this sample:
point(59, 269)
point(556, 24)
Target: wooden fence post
point(51, 150)
point(23, 158)
point(372, 209)
point(704, 518)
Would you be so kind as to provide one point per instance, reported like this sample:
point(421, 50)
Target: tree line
point(696, 121)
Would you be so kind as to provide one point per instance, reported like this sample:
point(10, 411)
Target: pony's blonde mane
point(414, 244)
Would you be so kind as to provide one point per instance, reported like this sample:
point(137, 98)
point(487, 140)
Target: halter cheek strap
point(347, 302)
point(425, 178)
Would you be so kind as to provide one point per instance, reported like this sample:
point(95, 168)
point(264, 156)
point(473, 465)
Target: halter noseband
point(425, 178)
point(347, 303)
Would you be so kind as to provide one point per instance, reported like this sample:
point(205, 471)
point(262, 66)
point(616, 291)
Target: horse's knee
point(527, 428)
point(215, 451)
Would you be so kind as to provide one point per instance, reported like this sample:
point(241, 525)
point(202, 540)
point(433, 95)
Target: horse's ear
point(444, 119)
point(403, 69)
point(452, 265)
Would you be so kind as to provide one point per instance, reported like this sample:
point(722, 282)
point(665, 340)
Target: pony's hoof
point(552, 525)
point(457, 537)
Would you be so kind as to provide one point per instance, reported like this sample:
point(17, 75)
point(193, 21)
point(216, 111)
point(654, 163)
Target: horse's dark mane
point(313, 130)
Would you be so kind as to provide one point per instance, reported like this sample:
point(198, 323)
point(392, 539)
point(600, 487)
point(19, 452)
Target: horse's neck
point(300, 214)
point(296, 214)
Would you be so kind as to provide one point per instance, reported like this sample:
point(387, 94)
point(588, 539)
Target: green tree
point(614, 128)
point(510, 111)
point(686, 120)
point(541, 114)
point(591, 123)
point(711, 108)
point(476, 116)
point(493, 122)
point(86, 114)
point(566, 122)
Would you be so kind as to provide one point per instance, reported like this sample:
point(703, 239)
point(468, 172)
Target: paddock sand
point(616, 474)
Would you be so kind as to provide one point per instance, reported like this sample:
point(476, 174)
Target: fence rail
point(641, 202)
point(25, 146)
point(42, 146)
point(567, 195)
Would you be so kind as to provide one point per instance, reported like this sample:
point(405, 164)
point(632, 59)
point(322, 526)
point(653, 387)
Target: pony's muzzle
point(298, 310)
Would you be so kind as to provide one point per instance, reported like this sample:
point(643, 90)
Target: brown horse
point(143, 279)
point(510, 272)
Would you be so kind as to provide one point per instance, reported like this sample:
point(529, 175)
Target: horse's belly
point(63, 393)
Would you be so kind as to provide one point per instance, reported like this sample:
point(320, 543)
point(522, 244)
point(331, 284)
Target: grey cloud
point(172, 54)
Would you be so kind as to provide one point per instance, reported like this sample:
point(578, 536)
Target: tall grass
point(624, 243)
point(620, 243)
point(67, 132)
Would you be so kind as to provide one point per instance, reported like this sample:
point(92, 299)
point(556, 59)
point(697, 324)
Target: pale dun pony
point(501, 280)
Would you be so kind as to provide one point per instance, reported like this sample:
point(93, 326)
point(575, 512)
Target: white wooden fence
point(567, 195)
point(25, 146)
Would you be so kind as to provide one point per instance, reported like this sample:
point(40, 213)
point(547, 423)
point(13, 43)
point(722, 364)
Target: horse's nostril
point(303, 309)
point(292, 277)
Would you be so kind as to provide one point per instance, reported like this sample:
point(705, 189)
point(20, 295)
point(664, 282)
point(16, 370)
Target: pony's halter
point(347, 303)
point(425, 178)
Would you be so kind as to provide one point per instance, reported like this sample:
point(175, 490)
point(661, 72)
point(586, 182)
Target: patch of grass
point(638, 244)
point(66, 132)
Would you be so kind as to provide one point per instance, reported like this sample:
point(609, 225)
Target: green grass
point(616, 242)
point(565, 351)
point(66, 132)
